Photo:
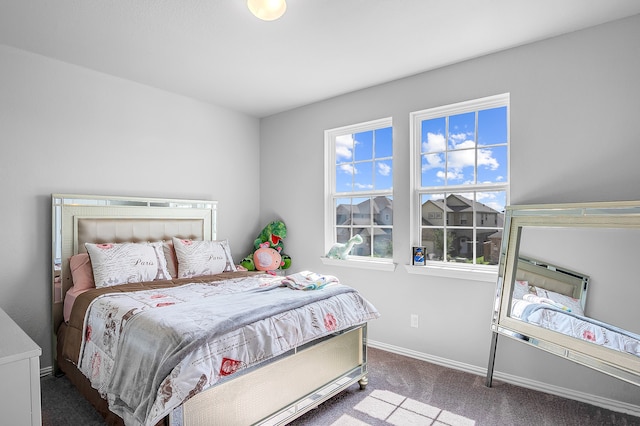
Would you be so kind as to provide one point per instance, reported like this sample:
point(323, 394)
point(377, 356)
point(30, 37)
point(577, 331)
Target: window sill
point(472, 274)
point(361, 264)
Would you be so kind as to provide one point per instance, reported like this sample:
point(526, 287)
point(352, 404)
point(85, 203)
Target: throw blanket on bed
point(149, 336)
point(307, 280)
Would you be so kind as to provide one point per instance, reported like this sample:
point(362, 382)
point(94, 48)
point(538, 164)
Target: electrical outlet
point(414, 320)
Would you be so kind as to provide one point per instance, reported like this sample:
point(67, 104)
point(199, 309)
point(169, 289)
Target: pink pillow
point(81, 271)
point(170, 255)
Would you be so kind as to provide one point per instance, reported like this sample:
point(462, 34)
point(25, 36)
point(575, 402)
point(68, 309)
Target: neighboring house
point(357, 219)
point(459, 213)
point(364, 218)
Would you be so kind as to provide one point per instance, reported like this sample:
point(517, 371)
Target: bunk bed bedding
point(233, 321)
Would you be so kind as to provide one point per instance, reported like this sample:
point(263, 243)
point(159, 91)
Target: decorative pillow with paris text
point(199, 258)
point(120, 263)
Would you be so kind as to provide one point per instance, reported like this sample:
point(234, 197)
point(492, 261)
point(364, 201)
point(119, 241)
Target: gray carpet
point(401, 391)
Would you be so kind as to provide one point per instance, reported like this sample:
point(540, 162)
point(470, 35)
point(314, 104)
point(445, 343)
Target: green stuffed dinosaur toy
point(272, 234)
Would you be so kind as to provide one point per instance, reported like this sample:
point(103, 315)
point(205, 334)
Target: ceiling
point(218, 52)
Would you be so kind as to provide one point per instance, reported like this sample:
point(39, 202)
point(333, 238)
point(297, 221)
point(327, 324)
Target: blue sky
point(453, 152)
point(456, 155)
point(363, 161)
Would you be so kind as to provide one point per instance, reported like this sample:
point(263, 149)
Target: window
point(359, 188)
point(460, 180)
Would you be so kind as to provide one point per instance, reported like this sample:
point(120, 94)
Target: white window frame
point(450, 269)
point(329, 190)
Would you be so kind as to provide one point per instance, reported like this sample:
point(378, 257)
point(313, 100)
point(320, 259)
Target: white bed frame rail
point(282, 390)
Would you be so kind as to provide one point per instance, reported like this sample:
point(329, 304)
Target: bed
point(554, 298)
point(183, 337)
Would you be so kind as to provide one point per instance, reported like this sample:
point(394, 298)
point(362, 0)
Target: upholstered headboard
point(122, 229)
point(553, 278)
point(79, 219)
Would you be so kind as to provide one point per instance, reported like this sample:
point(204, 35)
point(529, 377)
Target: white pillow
point(569, 302)
point(120, 263)
point(198, 258)
point(520, 288)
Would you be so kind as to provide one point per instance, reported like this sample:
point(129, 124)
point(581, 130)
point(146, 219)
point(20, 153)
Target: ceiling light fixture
point(267, 10)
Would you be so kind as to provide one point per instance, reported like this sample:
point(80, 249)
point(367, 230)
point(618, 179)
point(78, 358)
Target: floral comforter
point(149, 351)
point(578, 326)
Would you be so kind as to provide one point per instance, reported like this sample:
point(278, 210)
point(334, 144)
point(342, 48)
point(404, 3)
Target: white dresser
point(19, 375)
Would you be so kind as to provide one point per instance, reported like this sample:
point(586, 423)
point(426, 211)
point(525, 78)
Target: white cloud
point(458, 160)
point(491, 199)
point(461, 157)
point(384, 169)
point(361, 186)
point(432, 161)
point(344, 147)
point(348, 168)
point(464, 156)
point(484, 197)
point(459, 137)
point(435, 142)
point(496, 179)
point(485, 159)
point(452, 174)
point(499, 207)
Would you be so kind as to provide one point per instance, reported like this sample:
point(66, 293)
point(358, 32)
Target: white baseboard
point(598, 401)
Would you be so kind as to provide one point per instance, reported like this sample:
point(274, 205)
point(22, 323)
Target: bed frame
point(274, 393)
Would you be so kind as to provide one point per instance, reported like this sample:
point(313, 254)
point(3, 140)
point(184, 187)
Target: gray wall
point(65, 129)
point(575, 101)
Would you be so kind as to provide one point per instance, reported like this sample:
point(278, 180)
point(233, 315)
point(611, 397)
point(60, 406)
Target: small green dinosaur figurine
point(342, 250)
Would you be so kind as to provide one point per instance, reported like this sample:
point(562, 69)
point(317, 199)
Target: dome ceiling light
point(267, 10)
